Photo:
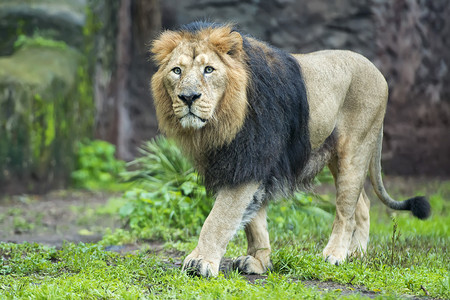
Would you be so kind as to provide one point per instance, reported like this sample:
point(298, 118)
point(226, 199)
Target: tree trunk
point(125, 114)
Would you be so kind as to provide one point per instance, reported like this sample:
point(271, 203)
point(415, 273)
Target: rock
point(58, 20)
point(39, 116)
point(296, 26)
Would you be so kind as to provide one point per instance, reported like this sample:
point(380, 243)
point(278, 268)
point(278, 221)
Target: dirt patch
point(55, 218)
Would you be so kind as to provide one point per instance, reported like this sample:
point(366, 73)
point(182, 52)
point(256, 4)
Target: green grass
point(87, 271)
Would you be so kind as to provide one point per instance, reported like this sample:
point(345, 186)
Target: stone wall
point(412, 42)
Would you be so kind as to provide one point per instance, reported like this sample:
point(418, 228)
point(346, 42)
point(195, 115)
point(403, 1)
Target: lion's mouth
point(195, 116)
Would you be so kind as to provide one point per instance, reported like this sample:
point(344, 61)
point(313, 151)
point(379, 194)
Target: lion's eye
point(176, 70)
point(209, 69)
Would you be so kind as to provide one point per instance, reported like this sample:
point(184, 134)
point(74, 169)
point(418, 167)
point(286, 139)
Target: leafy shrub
point(96, 166)
point(173, 215)
point(168, 199)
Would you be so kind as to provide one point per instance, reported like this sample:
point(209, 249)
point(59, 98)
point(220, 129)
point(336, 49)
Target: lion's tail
point(419, 206)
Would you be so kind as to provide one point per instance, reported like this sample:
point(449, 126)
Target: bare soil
point(55, 218)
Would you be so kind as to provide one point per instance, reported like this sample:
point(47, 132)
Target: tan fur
point(347, 95)
point(346, 92)
point(220, 226)
point(257, 260)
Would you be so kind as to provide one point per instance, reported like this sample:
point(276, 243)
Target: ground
point(74, 216)
point(54, 218)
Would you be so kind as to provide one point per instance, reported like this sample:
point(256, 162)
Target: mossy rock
point(41, 116)
point(54, 19)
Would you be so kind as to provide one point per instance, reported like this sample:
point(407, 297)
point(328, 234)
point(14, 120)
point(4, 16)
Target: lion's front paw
point(334, 260)
point(200, 266)
point(335, 257)
point(250, 265)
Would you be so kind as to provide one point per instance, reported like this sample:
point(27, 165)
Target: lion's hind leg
point(350, 226)
point(360, 236)
point(257, 260)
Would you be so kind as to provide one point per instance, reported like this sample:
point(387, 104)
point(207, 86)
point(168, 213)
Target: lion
point(259, 122)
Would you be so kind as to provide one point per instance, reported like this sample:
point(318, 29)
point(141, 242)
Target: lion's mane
point(272, 144)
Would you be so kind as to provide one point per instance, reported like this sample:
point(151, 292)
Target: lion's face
point(200, 88)
point(196, 80)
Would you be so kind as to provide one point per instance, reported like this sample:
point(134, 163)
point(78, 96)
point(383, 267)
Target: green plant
point(303, 215)
point(96, 166)
point(394, 239)
point(21, 225)
point(161, 166)
point(168, 200)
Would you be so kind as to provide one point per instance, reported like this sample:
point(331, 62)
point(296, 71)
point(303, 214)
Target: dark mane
point(273, 146)
point(198, 26)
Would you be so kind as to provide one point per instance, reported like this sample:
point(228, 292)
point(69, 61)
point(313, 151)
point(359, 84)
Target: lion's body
point(341, 85)
point(259, 122)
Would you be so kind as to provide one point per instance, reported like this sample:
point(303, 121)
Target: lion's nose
point(189, 99)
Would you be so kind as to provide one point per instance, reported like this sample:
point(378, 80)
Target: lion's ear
point(164, 45)
point(227, 41)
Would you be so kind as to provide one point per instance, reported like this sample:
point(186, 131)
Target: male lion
point(259, 122)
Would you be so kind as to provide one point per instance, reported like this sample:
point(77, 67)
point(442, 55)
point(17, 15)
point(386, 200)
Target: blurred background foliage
point(46, 96)
point(96, 168)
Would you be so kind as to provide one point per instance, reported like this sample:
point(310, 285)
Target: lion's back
point(341, 70)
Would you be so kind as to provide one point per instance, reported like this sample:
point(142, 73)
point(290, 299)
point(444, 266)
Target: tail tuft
point(420, 207)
